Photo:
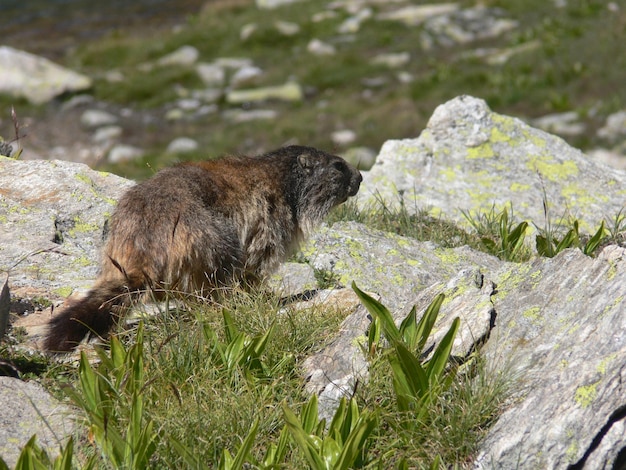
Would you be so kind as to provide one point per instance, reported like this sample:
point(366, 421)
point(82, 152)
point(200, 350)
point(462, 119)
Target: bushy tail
point(95, 315)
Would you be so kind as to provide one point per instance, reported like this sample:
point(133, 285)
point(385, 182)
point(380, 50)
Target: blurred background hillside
point(186, 79)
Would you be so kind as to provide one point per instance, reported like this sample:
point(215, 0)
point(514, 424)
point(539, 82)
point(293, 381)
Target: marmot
point(201, 226)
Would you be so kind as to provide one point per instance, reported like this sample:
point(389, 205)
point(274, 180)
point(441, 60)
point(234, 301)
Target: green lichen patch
point(586, 394)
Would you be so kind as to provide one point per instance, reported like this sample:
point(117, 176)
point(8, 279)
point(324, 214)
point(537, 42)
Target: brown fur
point(196, 227)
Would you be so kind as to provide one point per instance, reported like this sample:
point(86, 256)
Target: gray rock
point(416, 14)
point(183, 56)
point(343, 137)
point(52, 214)
point(240, 115)
point(107, 134)
point(124, 153)
point(320, 48)
point(615, 126)
point(561, 123)
point(392, 60)
point(245, 76)
point(212, 75)
point(182, 145)
point(93, 118)
point(561, 329)
point(290, 91)
point(271, 4)
point(28, 409)
point(470, 159)
point(467, 25)
point(36, 79)
point(287, 28)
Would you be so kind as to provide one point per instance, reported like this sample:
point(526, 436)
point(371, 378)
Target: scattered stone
point(114, 76)
point(174, 114)
point(247, 30)
point(353, 24)
point(416, 15)
point(287, 28)
point(208, 95)
point(182, 145)
point(343, 137)
point(233, 62)
point(239, 115)
point(464, 26)
point(495, 56)
point(27, 409)
point(94, 118)
point(123, 153)
point(36, 79)
point(615, 126)
point(290, 91)
point(107, 134)
point(183, 56)
point(212, 75)
point(188, 104)
point(397, 60)
point(77, 101)
point(561, 123)
point(270, 4)
point(320, 48)
point(245, 76)
point(323, 16)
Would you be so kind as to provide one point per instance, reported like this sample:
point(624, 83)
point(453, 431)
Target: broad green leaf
point(380, 311)
point(414, 374)
point(355, 445)
point(303, 440)
point(426, 323)
point(246, 445)
point(441, 355)
point(309, 415)
point(408, 329)
point(592, 245)
point(229, 324)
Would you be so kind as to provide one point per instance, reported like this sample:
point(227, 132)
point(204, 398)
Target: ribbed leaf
point(441, 355)
point(379, 311)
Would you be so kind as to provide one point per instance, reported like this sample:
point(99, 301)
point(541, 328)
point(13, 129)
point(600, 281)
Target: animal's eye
point(339, 166)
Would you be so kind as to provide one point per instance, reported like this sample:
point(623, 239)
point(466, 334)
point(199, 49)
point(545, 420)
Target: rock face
point(35, 78)
point(28, 409)
point(557, 326)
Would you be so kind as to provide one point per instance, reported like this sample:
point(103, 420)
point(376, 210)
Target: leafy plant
point(343, 445)
point(549, 246)
point(33, 457)
point(499, 235)
point(416, 383)
point(240, 350)
point(124, 435)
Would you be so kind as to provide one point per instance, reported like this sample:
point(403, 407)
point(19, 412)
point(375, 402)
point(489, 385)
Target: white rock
point(122, 153)
point(318, 47)
point(211, 74)
point(290, 91)
point(247, 30)
point(287, 28)
point(245, 75)
point(415, 15)
point(35, 78)
point(107, 134)
point(560, 123)
point(392, 60)
point(182, 145)
point(94, 118)
point(270, 4)
point(343, 137)
point(233, 62)
point(237, 115)
point(184, 55)
point(615, 126)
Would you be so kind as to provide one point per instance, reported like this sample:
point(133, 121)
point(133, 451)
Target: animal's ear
point(306, 161)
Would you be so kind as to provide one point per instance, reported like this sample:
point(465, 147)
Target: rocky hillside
point(556, 325)
point(245, 77)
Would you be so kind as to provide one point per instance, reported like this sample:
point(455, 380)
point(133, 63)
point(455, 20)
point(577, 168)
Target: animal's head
point(319, 181)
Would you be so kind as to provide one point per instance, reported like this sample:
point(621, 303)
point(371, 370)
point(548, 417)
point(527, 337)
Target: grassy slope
point(578, 66)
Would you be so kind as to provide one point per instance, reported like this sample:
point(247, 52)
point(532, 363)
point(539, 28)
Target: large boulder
point(35, 78)
point(470, 159)
point(28, 409)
